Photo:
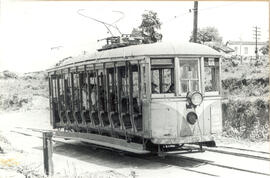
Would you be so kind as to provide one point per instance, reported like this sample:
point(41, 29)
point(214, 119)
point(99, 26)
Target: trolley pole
point(47, 153)
point(195, 21)
point(256, 36)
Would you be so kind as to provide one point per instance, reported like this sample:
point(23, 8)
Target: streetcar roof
point(154, 49)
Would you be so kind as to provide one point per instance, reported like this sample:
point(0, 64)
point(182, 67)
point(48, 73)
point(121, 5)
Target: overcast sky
point(35, 35)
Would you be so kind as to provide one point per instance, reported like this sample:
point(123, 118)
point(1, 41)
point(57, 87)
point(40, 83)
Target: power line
point(189, 11)
point(219, 6)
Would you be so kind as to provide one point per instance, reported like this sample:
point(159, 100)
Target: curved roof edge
point(154, 49)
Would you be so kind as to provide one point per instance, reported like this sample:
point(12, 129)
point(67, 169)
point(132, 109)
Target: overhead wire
point(189, 11)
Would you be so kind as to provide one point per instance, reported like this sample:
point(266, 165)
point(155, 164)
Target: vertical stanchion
point(47, 153)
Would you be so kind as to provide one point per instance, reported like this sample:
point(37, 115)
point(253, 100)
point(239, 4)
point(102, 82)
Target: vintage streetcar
point(139, 98)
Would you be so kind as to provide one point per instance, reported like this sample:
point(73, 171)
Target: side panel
point(216, 121)
point(164, 119)
point(207, 119)
point(146, 118)
point(213, 115)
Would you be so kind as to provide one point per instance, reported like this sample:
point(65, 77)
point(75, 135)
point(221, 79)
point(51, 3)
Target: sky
point(36, 34)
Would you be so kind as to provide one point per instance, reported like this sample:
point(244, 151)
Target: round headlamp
point(196, 98)
point(192, 117)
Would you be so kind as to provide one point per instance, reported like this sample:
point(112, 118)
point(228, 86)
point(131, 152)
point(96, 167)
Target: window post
point(219, 79)
point(201, 74)
point(147, 78)
point(177, 76)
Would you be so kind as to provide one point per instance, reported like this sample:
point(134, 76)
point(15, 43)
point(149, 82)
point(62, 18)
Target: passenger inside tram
point(93, 95)
point(154, 88)
point(84, 96)
point(171, 89)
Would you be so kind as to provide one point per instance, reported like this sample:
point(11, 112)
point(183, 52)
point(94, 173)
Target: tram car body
point(140, 98)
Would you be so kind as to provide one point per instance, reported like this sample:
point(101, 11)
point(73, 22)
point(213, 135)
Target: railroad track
point(223, 166)
point(242, 149)
point(170, 159)
point(93, 146)
point(216, 150)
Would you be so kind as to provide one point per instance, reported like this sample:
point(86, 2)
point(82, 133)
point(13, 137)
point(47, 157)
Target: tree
point(265, 49)
point(207, 34)
point(148, 28)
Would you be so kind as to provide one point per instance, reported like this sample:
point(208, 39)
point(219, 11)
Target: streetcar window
point(162, 75)
point(68, 92)
point(60, 84)
point(136, 88)
point(93, 94)
point(61, 91)
point(135, 79)
point(54, 85)
point(124, 80)
point(84, 90)
point(189, 77)
point(112, 89)
point(76, 90)
point(101, 90)
point(211, 74)
point(155, 81)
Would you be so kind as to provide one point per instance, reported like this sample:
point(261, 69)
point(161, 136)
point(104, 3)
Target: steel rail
point(239, 154)
point(243, 149)
point(235, 153)
point(223, 166)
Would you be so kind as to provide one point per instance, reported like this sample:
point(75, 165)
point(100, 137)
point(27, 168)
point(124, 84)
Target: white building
point(245, 48)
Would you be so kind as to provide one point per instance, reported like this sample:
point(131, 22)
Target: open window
point(162, 76)
point(189, 75)
point(84, 91)
point(211, 76)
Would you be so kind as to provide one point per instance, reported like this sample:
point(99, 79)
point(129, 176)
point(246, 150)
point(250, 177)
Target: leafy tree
point(207, 34)
point(148, 28)
point(265, 49)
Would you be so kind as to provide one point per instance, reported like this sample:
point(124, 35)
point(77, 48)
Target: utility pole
point(195, 21)
point(47, 153)
point(256, 36)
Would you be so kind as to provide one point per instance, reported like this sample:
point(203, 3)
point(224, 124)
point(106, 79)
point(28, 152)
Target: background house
point(245, 48)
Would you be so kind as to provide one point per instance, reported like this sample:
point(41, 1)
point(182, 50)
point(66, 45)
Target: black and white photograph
point(134, 89)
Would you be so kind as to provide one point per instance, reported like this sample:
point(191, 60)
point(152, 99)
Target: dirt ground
point(23, 153)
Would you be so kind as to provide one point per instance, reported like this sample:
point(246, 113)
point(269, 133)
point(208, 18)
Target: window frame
point(212, 93)
point(198, 59)
point(163, 95)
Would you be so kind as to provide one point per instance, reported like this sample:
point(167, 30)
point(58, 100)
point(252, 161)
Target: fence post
point(47, 153)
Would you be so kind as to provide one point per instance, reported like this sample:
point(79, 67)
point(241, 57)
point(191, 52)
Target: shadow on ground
point(114, 159)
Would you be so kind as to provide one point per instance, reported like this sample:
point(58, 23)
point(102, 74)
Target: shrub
point(246, 119)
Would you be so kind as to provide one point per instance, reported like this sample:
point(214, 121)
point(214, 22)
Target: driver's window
point(162, 76)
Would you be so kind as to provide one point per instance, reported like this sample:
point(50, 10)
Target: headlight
point(196, 98)
point(192, 117)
